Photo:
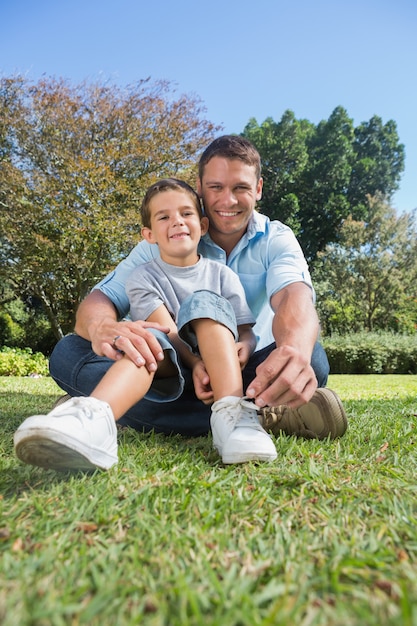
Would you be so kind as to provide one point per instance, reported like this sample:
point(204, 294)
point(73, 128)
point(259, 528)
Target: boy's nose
point(178, 220)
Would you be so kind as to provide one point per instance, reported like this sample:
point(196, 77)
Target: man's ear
point(259, 187)
point(204, 225)
point(148, 235)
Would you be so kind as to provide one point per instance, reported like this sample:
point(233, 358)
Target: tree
point(325, 181)
point(316, 176)
point(74, 164)
point(368, 280)
point(378, 163)
point(283, 148)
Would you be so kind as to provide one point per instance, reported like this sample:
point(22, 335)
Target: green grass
point(326, 535)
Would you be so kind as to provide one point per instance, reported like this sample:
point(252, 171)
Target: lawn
point(326, 535)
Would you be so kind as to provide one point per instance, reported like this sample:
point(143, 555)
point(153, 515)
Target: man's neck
point(227, 242)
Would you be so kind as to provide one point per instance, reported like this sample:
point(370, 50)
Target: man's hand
point(113, 339)
point(97, 322)
point(285, 377)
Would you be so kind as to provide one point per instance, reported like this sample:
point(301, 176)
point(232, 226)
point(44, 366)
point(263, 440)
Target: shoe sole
point(43, 449)
point(326, 402)
point(246, 458)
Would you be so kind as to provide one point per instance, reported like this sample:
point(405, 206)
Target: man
point(288, 364)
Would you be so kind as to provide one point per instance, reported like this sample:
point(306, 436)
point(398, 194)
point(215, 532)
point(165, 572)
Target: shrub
point(372, 353)
point(22, 362)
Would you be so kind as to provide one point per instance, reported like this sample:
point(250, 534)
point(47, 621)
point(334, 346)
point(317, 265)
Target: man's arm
point(286, 376)
point(97, 321)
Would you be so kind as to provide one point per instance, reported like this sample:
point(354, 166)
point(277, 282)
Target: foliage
point(325, 535)
point(371, 353)
point(316, 176)
point(74, 163)
point(24, 324)
point(22, 362)
point(368, 280)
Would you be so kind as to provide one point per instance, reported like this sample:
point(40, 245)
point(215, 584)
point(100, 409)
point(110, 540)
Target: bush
point(22, 362)
point(372, 353)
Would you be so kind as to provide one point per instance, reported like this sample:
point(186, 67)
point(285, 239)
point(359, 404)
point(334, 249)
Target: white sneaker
point(237, 434)
point(78, 434)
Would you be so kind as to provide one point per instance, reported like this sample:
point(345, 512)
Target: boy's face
point(175, 226)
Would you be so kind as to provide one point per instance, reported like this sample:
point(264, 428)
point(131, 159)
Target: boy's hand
point(201, 382)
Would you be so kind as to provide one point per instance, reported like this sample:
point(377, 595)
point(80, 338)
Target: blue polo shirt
point(267, 258)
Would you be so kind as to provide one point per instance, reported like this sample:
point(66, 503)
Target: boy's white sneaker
point(237, 434)
point(79, 434)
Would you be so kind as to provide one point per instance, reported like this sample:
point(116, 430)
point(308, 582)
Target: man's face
point(229, 189)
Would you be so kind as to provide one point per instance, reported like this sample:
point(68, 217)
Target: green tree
point(378, 163)
point(284, 150)
point(74, 164)
point(316, 176)
point(325, 181)
point(368, 280)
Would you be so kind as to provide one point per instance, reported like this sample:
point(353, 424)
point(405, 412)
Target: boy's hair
point(231, 147)
point(167, 184)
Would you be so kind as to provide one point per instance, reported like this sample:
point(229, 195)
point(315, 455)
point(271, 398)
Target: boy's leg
point(81, 433)
point(217, 347)
point(207, 323)
point(78, 370)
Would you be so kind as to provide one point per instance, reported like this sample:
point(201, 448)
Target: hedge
point(372, 353)
point(365, 353)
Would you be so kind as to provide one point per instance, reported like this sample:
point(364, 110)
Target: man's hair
point(167, 184)
point(231, 147)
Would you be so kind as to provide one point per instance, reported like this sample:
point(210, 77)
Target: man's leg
point(77, 370)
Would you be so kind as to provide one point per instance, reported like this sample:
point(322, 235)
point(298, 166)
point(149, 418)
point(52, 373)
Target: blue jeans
point(171, 406)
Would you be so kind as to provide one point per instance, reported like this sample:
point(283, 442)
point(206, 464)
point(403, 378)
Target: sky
point(242, 58)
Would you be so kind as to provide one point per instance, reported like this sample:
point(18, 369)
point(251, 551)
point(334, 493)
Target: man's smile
point(228, 213)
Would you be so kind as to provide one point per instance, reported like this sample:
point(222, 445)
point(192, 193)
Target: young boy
point(202, 304)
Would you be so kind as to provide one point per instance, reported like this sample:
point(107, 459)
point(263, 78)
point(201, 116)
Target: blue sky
point(242, 58)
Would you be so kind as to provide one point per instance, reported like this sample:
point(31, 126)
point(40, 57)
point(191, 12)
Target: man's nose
point(229, 197)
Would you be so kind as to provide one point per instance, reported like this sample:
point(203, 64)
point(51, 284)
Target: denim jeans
point(171, 406)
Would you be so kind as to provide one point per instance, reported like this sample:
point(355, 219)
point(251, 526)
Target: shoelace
point(290, 419)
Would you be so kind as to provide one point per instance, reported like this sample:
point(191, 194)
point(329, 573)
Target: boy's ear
point(148, 235)
point(198, 186)
point(204, 225)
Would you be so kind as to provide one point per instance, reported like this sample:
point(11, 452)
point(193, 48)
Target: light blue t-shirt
point(267, 258)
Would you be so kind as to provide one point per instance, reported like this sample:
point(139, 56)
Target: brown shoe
point(322, 417)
